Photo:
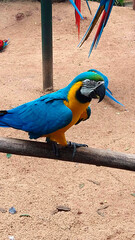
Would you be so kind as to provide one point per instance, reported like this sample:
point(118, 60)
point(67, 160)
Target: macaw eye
point(99, 83)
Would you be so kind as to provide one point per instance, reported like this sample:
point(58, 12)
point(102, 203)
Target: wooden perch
point(86, 155)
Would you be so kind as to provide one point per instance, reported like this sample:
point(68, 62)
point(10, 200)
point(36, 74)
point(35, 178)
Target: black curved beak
point(100, 91)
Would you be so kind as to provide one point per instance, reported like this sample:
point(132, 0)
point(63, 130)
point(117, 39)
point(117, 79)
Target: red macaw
point(3, 44)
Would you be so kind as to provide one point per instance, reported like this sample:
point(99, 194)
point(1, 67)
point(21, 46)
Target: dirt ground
point(101, 199)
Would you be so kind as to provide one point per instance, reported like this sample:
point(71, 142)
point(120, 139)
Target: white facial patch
point(86, 91)
point(89, 86)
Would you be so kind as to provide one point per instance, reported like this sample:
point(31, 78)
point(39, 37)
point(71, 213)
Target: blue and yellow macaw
point(53, 114)
point(105, 7)
point(108, 93)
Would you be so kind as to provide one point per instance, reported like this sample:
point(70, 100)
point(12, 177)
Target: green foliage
point(116, 3)
point(119, 3)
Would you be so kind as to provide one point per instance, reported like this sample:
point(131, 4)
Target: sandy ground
point(36, 186)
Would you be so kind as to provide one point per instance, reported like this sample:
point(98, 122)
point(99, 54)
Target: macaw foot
point(54, 147)
point(75, 145)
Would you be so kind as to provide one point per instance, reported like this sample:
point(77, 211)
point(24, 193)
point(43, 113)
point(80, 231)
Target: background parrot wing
point(38, 117)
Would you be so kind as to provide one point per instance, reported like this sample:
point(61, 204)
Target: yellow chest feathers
point(77, 109)
point(74, 105)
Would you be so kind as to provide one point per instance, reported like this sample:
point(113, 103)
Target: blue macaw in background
point(108, 93)
point(105, 7)
point(53, 114)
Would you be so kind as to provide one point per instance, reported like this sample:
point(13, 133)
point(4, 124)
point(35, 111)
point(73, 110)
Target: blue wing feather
point(72, 2)
point(39, 117)
point(109, 90)
point(114, 99)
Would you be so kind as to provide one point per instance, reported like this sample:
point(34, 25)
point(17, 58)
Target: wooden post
point(133, 4)
point(47, 53)
point(85, 155)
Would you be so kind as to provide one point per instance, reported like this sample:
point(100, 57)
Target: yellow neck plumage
point(77, 109)
point(73, 104)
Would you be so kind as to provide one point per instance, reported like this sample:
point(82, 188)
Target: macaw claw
point(54, 147)
point(74, 146)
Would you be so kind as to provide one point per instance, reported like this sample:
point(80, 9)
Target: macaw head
point(89, 85)
point(106, 82)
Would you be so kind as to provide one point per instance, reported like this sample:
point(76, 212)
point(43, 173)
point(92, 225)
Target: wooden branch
point(86, 155)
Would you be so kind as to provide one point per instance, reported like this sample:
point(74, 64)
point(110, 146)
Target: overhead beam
point(98, 157)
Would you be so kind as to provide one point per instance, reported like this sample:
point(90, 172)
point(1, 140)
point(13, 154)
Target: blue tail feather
point(114, 99)
point(72, 2)
point(88, 6)
point(109, 90)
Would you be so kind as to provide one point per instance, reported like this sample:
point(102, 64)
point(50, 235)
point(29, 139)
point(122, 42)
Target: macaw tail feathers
point(102, 23)
point(108, 11)
point(74, 5)
point(88, 7)
point(107, 93)
point(77, 16)
point(105, 7)
point(92, 25)
point(3, 123)
point(98, 33)
point(9, 119)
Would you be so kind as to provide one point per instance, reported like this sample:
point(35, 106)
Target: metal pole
point(47, 54)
